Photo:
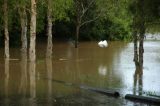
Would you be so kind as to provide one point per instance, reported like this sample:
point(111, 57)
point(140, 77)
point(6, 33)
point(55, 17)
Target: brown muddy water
point(40, 83)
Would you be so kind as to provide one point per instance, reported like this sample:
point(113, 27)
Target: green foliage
point(110, 24)
point(106, 29)
point(59, 12)
point(41, 15)
point(118, 31)
point(113, 23)
point(153, 28)
point(60, 8)
point(151, 11)
point(113, 18)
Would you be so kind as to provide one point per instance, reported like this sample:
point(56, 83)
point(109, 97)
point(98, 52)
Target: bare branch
point(86, 8)
point(88, 21)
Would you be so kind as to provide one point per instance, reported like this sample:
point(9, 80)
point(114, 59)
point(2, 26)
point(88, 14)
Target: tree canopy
point(103, 19)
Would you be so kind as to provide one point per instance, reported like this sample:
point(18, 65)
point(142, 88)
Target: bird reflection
point(102, 70)
point(138, 81)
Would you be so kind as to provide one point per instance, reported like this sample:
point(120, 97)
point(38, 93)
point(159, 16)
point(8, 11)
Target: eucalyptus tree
point(144, 12)
point(56, 10)
point(32, 55)
point(81, 8)
point(22, 7)
point(138, 35)
point(87, 11)
point(142, 29)
point(49, 28)
point(141, 10)
point(6, 32)
point(22, 10)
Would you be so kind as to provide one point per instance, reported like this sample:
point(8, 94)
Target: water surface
point(35, 83)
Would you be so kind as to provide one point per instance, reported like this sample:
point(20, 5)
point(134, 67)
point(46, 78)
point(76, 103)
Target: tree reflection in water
point(49, 69)
point(23, 83)
point(49, 76)
point(6, 81)
point(138, 81)
point(32, 75)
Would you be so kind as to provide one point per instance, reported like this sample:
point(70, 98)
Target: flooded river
point(41, 83)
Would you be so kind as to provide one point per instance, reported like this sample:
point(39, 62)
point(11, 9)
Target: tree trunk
point(77, 35)
point(6, 33)
point(78, 20)
point(142, 32)
point(141, 48)
point(135, 38)
point(139, 31)
point(49, 30)
point(32, 55)
point(23, 18)
point(135, 48)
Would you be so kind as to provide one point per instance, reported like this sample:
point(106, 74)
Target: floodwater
point(49, 81)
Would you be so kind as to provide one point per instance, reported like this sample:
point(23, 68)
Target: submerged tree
point(139, 31)
point(32, 55)
point(144, 12)
point(49, 29)
point(6, 33)
point(56, 10)
point(81, 9)
point(22, 10)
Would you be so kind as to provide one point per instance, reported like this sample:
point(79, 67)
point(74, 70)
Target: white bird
point(103, 43)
